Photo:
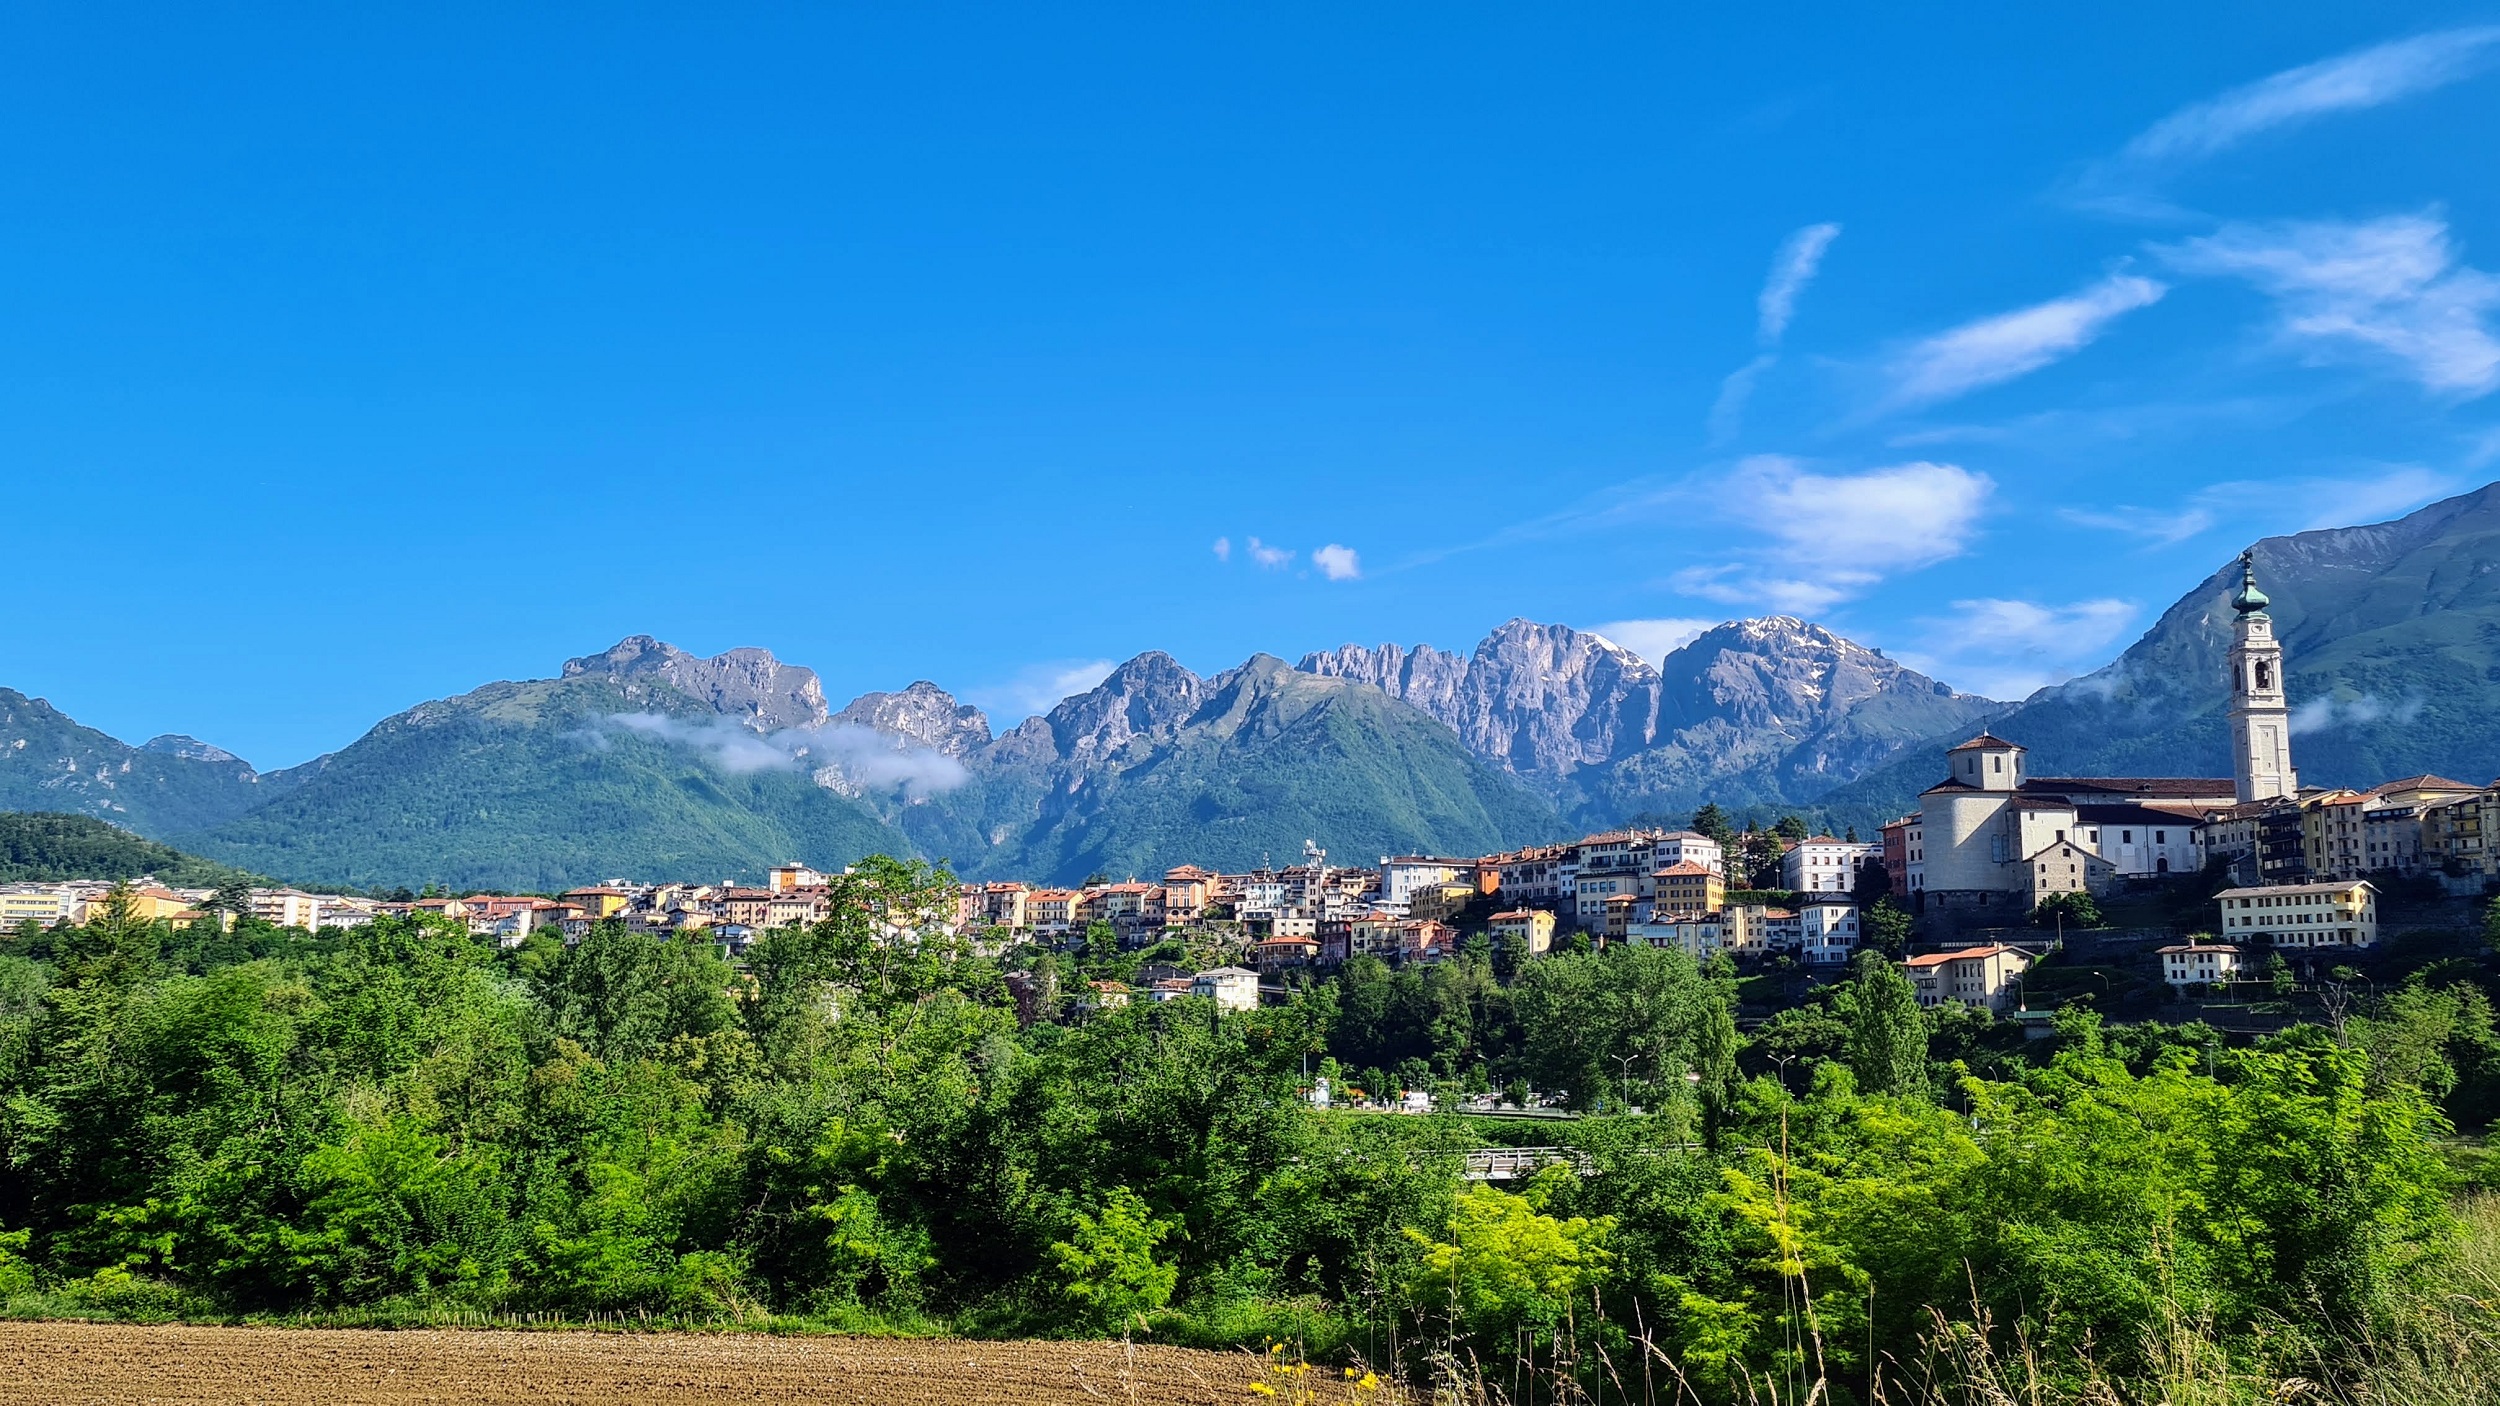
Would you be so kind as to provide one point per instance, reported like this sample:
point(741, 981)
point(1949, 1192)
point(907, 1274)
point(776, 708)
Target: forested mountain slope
point(47, 847)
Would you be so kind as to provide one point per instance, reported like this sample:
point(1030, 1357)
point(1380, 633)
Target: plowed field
point(87, 1362)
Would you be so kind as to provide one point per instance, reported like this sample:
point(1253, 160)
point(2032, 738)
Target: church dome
point(2249, 600)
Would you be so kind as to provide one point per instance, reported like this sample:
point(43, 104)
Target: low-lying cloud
point(2329, 713)
point(842, 757)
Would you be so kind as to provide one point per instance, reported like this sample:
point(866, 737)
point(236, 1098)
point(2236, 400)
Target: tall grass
point(2438, 1346)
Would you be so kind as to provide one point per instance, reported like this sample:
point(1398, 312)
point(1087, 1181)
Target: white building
point(2200, 963)
point(1827, 930)
point(1402, 876)
point(2342, 913)
point(287, 908)
point(1233, 988)
point(1826, 865)
point(1698, 938)
point(1989, 976)
point(2142, 841)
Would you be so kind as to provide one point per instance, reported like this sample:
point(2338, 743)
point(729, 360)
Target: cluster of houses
point(75, 901)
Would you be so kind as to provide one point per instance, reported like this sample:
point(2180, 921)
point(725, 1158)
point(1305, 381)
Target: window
point(2126, 837)
point(1996, 764)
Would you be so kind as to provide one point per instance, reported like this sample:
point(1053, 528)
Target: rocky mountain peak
point(175, 744)
point(1149, 694)
point(746, 684)
point(924, 714)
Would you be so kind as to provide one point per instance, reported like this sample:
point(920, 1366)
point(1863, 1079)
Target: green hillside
point(49, 762)
point(48, 847)
point(531, 786)
point(2391, 635)
point(1271, 758)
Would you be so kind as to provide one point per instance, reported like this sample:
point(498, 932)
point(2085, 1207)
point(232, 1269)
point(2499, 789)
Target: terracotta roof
point(1683, 868)
point(1984, 741)
point(1937, 959)
point(1948, 784)
point(2216, 786)
point(2424, 782)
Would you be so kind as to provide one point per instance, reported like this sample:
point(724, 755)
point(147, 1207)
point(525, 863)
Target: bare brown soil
point(118, 1363)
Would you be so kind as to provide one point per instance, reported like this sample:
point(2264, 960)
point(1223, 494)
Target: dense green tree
point(1711, 823)
point(1888, 1036)
point(1888, 926)
point(2074, 909)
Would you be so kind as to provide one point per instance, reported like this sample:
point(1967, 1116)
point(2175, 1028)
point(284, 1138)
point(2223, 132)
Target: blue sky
point(348, 360)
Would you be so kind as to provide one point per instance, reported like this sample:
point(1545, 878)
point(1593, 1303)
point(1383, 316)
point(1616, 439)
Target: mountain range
point(645, 759)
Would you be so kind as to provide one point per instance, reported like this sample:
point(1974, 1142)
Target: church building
point(1997, 838)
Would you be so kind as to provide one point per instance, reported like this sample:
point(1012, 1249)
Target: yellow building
point(598, 902)
point(2337, 914)
point(1534, 927)
point(1439, 902)
point(45, 906)
point(1687, 889)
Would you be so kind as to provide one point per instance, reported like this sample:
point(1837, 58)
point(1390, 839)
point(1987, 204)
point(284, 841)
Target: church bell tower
point(2261, 726)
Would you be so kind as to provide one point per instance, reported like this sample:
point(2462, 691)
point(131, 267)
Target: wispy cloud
point(1272, 558)
point(2364, 78)
point(1337, 563)
point(1223, 549)
point(1727, 413)
point(839, 756)
point(1037, 688)
point(2153, 525)
point(2004, 648)
point(1824, 538)
point(1799, 257)
point(1653, 640)
point(2251, 508)
point(1791, 271)
point(2390, 287)
point(2011, 344)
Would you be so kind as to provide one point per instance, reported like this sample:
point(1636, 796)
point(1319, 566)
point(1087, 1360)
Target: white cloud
point(1823, 538)
point(2257, 507)
point(2391, 285)
point(1273, 558)
point(2000, 348)
point(1037, 688)
point(1791, 271)
point(1653, 640)
point(840, 756)
point(2365, 78)
point(2004, 648)
point(1337, 563)
point(1727, 413)
point(2154, 525)
point(2326, 714)
point(1223, 549)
